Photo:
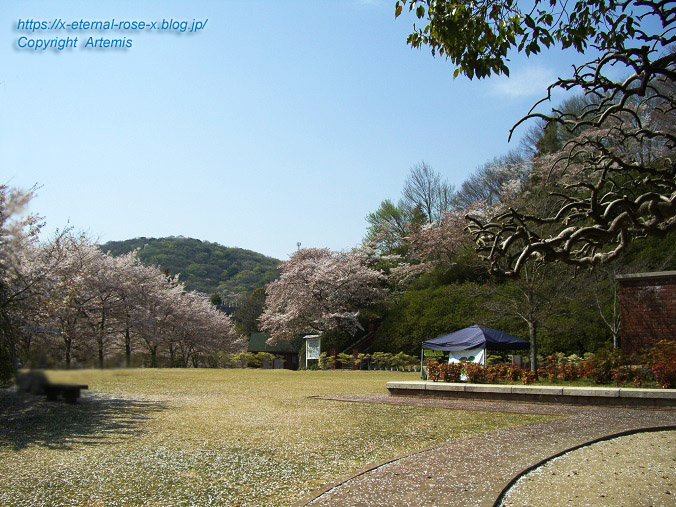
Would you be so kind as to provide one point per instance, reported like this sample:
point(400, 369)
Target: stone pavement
point(474, 471)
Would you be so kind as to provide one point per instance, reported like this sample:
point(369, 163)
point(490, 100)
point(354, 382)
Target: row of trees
point(65, 300)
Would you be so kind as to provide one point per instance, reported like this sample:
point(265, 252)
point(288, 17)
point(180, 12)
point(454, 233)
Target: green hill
point(202, 266)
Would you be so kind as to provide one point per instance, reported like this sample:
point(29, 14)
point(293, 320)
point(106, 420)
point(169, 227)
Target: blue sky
point(280, 122)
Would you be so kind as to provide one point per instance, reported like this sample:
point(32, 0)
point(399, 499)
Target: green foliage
point(345, 360)
point(390, 224)
point(326, 361)
point(478, 35)
point(423, 314)
point(203, 266)
point(652, 254)
point(601, 366)
point(248, 310)
point(381, 359)
point(361, 359)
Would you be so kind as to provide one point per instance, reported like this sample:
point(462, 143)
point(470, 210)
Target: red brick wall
point(647, 311)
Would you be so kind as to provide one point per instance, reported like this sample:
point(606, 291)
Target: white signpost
point(313, 347)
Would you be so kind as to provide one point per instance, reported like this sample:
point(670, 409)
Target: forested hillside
point(203, 266)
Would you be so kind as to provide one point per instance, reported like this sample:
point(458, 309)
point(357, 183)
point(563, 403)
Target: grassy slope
point(209, 437)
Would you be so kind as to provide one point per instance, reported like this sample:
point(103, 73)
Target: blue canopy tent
point(473, 342)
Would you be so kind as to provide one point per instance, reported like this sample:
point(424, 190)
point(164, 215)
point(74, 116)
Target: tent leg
point(421, 365)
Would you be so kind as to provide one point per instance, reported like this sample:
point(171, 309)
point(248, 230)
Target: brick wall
point(647, 309)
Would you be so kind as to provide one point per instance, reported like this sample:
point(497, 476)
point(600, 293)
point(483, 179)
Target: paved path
point(474, 471)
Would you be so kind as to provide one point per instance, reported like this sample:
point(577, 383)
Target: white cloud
point(523, 82)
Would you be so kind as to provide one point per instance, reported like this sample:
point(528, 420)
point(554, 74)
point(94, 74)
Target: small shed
point(287, 351)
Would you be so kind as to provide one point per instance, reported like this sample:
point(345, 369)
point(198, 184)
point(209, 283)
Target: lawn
point(209, 437)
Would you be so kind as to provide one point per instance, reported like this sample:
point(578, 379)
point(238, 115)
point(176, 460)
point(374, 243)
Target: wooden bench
point(70, 392)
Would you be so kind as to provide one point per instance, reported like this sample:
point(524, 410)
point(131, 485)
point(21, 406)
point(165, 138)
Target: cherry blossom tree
point(17, 278)
point(318, 291)
point(65, 295)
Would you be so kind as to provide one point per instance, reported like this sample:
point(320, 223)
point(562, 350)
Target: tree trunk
point(616, 321)
point(101, 335)
point(153, 356)
point(127, 347)
point(67, 342)
point(532, 331)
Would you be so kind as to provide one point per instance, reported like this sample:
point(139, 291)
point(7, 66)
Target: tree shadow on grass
point(28, 420)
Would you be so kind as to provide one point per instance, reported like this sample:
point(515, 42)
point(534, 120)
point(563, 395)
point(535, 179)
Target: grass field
point(209, 437)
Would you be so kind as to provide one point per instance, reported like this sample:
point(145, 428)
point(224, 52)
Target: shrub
point(326, 361)
point(502, 370)
point(475, 372)
point(550, 369)
point(451, 372)
point(492, 359)
point(620, 375)
point(433, 370)
point(493, 373)
point(528, 377)
point(345, 360)
point(514, 372)
point(569, 371)
point(361, 359)
point(601, 365)
point(381, 359)
point(263, 358)
point(663, 363)
point(402, 360)
point(574, 359)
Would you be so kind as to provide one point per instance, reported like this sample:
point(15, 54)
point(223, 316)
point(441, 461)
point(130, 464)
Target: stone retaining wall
point(607, 396)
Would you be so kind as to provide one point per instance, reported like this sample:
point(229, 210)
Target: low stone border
point(513, 481)
point(608, 396)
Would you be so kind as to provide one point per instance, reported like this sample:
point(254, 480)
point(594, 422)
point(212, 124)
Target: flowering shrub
point(433, 370)
point(495, 372)
point(569, 371)
point(451, 372)
point(475, 372)
point(663, 359)
point(514, 372)
point(550, 369)
point(528, 377)
point(620, 375)
point(601, 365)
